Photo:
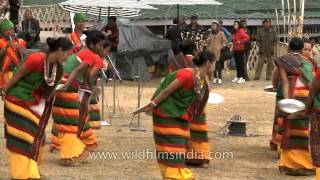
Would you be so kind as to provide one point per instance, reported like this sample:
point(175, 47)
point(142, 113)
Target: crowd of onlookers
point(230, 48)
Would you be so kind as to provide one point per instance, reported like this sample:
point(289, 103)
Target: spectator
point(30, 29)
point(229, 38)
point(266, 41)
point(240, 37)
point(216, 41)
point(174, 34)
point(184, 58)
point(112, 32)
point(247, 49)
point(225, 31)
point(193, 27)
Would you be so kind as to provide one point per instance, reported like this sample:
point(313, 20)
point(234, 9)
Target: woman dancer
point(28, 100)
point(179, 98)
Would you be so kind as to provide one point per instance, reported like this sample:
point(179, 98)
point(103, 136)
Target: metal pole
point(138, 127)
point(114, 115)
point(100, 11)
point(103, 121)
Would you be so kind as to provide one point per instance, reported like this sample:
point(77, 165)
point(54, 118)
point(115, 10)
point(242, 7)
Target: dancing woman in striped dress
point(70, 112)
point(28, 100)
point(296, 73)
point(179, 98)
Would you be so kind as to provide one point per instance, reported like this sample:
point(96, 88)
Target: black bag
point(226, 54)
point(247, 46)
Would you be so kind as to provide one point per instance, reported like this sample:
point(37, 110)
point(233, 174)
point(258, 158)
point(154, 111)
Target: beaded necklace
point(49, 80)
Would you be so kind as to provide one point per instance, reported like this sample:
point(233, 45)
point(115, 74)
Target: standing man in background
point(173, 33)
point(30, 29)
point(266, 41)
point(247, 48)
point(231, 62)
point(111, 31)
point(194, 26)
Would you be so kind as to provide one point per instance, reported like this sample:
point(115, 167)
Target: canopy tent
point(106, 8)
point(182, 2)
point(138, 48)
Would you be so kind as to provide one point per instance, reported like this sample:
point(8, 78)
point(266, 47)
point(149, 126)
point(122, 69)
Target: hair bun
point(50, 41)
point(196, 60)
point(86, 32)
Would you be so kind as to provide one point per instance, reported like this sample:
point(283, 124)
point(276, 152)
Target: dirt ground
point(252, 158)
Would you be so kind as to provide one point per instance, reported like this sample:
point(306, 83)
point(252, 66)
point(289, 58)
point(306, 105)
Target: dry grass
point(252, 158)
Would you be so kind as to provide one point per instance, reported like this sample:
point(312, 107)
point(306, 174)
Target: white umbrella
point(122, 8)
point(181, 2)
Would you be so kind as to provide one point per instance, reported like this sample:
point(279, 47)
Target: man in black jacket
point(30, 29)
point(174, 33)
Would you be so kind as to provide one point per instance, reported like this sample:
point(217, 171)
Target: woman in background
point(240, 37)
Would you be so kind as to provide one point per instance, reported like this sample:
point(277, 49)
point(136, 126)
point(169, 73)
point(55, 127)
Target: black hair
point(307, 41)
point(106, 43)
point(239, 23)
point(203, 58)
point(220, 20)
point(175, 21)
point(112, 18)
point(62, 42)
point(187, 46)
point(243, 21)
point(194, 17)
point(296, 44)
point(94, 37)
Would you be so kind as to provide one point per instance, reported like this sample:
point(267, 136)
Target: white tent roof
point(122, 8)
point(181, 2)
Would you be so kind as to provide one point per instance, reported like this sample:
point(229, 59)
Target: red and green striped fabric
point(22, 123)
point(277, 129)
point(94, 114)
point(199, 128)
point(65, 114)
point(296, 131)
point(171, 121)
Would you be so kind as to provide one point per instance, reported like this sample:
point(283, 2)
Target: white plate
point(272, 93)
point(269, 88)
point(291, 106)
point(215, 98)
point(59, 86)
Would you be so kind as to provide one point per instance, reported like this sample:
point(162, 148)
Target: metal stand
point(136, 126)
point(104, 102)
point(103, 80)
point(115, 93)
